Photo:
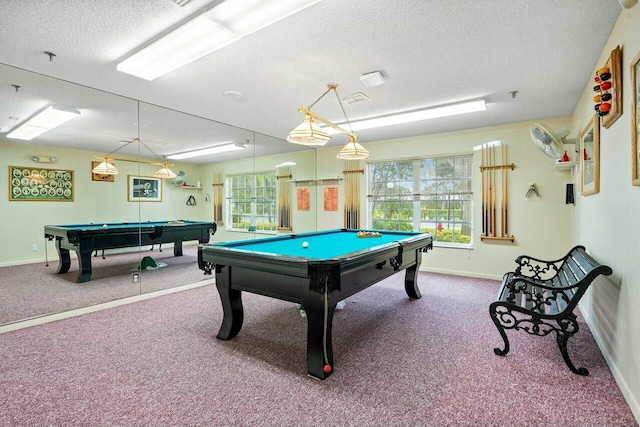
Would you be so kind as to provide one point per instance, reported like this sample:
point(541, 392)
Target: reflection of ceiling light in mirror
point(414, 116)
point(164, 172)
point(226, 23)
point(49, 118)
point(105, 168)
point(205, 151)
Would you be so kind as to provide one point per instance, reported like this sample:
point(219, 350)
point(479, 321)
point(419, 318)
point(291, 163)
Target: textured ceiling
point(430, 52)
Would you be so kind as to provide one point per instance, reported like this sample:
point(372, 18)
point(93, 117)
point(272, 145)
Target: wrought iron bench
point(540, 297)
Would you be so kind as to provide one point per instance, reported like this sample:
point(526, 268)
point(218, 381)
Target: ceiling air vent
point(181, 2)
point(356, 98)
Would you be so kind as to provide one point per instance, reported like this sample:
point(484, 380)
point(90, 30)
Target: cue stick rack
point(495, 190)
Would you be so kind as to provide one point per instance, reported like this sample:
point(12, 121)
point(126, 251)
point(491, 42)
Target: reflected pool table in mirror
point(83, 239)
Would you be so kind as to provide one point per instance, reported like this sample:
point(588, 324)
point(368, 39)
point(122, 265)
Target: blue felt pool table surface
point(323, 245)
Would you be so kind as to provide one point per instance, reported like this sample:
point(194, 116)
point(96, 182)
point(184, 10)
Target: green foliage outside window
point(428, 195)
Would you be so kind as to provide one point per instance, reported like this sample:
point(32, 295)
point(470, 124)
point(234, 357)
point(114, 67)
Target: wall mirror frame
point(590, 157)
point(635, 120)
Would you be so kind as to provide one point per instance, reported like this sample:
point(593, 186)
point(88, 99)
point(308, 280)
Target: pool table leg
point(84, 265)
point(233, 313)
point(64, 260)
point(177, 248)
point(411, 280)
point(313, 304)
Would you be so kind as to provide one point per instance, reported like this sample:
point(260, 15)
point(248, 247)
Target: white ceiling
point(430, 52)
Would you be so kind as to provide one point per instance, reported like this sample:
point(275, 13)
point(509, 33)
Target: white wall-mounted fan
point(180, 178)
point(549, 141)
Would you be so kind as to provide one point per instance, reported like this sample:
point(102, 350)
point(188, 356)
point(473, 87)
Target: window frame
point(416, 197)
point(253, 200)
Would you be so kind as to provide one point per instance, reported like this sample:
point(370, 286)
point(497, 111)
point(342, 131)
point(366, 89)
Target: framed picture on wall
point(635, 120)
point(27, 183)
point(144, 189)
point(590, 157)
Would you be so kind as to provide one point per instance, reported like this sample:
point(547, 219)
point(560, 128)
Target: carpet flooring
point(398, 362)
point(35, 290)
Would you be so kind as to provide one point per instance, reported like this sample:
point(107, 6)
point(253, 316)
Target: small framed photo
point(144, 189)
point(635, 120)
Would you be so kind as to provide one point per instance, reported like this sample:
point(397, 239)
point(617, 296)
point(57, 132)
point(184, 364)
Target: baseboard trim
point(634, 404)
point(461, 273)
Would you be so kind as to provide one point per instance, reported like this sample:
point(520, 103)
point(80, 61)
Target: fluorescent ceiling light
point(414, 116)
point(224, 24)
point(49, 118)
point(205, 151)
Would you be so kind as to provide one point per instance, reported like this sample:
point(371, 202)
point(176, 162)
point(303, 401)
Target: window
point(252, 202)
point(427, 195)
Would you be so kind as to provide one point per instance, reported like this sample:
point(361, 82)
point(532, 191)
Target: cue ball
point(104, 226)
point(305, 244)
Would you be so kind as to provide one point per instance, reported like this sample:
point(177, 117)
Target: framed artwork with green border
point(36, 184)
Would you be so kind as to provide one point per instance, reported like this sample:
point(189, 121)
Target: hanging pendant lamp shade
point(308, 133)
point(105, 168)
point(164, 173)
point(353, 151)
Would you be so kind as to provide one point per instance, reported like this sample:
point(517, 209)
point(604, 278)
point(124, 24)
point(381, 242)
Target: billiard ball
point(104, 225)
point(305, 244)
point(326, 369)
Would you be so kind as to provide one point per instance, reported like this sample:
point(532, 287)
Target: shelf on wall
point(564, 165)
point(190, 187)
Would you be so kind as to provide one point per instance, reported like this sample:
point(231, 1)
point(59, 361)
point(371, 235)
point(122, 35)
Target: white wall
point(608, 224)
point(22, 222)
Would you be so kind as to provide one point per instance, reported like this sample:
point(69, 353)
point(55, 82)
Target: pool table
point(83, 239)
point(334, 265)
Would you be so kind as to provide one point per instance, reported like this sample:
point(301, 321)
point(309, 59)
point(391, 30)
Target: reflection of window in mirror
point(590, 157)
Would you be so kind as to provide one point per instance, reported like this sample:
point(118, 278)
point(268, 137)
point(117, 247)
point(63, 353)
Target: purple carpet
point(398, 362)
point(34, 290)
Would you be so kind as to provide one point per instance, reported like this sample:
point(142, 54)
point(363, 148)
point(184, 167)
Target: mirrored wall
point(50, 183)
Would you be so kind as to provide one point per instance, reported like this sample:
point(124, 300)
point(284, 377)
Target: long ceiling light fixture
point(47, 119)
point(106, 167)
point(308, 133)
point(226, 23)
point(216, 149)
point(417, 115)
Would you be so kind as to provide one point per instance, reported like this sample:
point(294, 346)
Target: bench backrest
point(569, 278)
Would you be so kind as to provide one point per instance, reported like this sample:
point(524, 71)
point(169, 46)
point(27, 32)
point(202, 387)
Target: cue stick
point(486, 191)
point(485, 188)
point(493, 189)
point(492, 206)
point(506, 193)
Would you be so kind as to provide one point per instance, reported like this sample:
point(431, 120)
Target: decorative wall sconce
point(43, 159)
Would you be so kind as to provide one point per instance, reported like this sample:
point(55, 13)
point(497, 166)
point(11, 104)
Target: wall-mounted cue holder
point(495, 190)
